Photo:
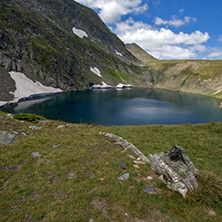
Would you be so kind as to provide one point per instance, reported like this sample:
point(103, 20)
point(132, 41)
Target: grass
point(78, 180)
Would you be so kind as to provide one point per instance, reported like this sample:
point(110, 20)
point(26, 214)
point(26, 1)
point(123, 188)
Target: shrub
point(28, 117)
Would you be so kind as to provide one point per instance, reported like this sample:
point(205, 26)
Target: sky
point(167, 29)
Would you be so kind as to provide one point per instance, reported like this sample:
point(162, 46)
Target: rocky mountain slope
point(60, 43)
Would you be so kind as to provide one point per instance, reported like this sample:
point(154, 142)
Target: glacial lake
point(137, 106)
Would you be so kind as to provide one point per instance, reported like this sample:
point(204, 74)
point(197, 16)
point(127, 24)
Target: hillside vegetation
point(192, 76)
point(76, 176)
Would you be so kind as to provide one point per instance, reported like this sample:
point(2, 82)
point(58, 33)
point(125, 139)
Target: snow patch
point(3, 103)
point(96, 71)
point(103, 86)
point(118, 53)
point(79, 32)
point(120, 85)
point(25, 87)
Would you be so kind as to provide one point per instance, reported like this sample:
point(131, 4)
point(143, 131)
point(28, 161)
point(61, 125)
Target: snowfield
point(25, 87)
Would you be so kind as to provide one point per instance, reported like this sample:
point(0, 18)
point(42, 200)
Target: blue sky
point(167, 29)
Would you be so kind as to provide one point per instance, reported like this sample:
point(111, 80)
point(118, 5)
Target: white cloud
point(174, 21)
point(216, 53)
point(111, 10)
point(220, 38)
point(162, 43)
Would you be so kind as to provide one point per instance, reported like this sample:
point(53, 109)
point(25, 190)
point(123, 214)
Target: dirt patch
point(100, 205)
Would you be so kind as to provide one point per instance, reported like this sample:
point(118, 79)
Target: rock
point(127, 145)
point(7, 138)
point(54, 146)
point(177, 169)
point(60, 126)
point(131, 156)
point(124, 177)
point(122, 165)
point(149, 190)
point(10, 116)
point(136, 166)
point(35, 127)
point(139, 162)
point(35, 155)
point(149, 178)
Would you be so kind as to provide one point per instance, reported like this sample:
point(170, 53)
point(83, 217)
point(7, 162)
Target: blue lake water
point(124, 107)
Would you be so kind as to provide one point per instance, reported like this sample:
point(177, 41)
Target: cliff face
point(43, 39)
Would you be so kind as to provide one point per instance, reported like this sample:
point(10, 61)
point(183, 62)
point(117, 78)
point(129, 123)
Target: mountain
point(139, 53)
point(61, 43)
point(192, 76)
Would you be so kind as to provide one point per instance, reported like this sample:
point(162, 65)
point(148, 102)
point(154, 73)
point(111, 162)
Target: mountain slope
point(39, 38)
point(139, 53)
point(192, 76)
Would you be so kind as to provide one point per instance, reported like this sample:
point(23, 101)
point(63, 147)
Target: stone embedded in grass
point(122, 165)
point(35, 127)
point(131, 156)
point(136, 166)
point(60, 126)
point(6, 138)
point(10, 116)
point(149, 190)
point(124, 177)
point(54, 146)
point(35, 155)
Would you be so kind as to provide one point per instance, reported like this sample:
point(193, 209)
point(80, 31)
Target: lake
point(137, 106)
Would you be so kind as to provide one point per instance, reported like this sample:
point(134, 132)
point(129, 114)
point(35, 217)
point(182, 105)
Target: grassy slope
point(194, 76)
point(78, 180)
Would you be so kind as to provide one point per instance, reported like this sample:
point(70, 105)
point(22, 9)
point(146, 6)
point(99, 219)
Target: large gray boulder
point(176, 169)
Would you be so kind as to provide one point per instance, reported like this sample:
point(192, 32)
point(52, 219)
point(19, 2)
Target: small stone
point(136, 166)
point(149, 190)
point(162, 179)
point(131, 156)
point(101, 179)
point(35, 155)
point(212, 213)
point(138, 158)
point(122, 165)
point(24, 134)
point(35, 127)
point(149, 178)
point(60, 126)
point(10, 116)
point(91, 220)
point(139, 162)
point(124, 177)
point(54, 146)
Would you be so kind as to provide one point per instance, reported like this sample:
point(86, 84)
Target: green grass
point(78, 180)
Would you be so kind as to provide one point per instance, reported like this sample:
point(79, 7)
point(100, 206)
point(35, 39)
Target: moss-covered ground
point(77, 178)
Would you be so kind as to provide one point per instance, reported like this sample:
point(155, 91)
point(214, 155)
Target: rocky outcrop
point(176, 168)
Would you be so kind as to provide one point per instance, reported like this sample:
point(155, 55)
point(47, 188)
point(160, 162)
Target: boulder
point(176, 168)
point(6, 138)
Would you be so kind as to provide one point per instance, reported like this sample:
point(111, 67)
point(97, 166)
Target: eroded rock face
point(176, 168)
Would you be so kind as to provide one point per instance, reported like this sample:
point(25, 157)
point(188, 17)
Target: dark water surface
point(124, 107)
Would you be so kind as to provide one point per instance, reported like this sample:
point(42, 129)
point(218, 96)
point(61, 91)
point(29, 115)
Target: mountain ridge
point(36, 38)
